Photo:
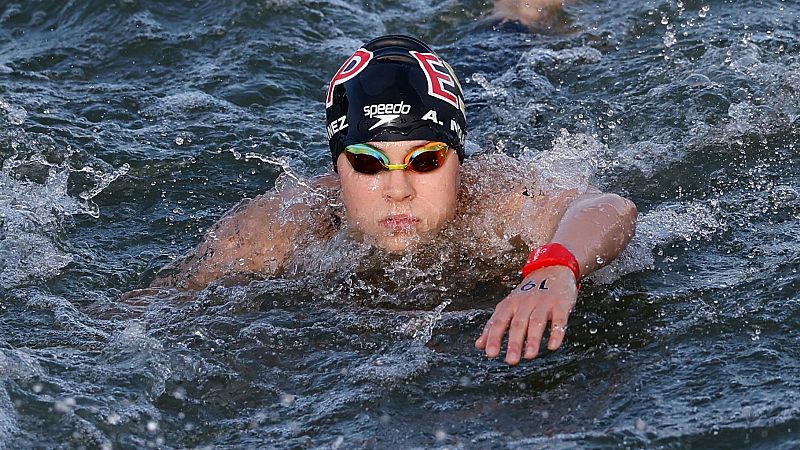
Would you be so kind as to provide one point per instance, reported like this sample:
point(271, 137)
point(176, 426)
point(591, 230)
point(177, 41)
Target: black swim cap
point(395, 88)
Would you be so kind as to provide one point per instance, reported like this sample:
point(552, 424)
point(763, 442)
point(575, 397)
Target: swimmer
point(526, 12)
point(396, 125)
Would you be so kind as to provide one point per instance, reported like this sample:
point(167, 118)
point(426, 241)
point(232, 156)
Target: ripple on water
point(693, 117)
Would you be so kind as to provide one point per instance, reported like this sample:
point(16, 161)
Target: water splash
point(421, 328)
point(662, 226)
point(35, 180)
point(572, 163)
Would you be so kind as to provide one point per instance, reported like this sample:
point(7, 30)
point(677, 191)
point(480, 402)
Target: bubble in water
point(441, 435)
point(152, 426)
point(704, 11)
point(593, 331)
point(179, 393)
point(113, 419)
point(600, 260)
point(37, 388)
point(179, 140)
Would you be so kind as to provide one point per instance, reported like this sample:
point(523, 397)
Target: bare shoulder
point(262, 229)
point(514, 200)
point(255, 238)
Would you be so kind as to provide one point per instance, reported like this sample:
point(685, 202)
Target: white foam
point(34, 202)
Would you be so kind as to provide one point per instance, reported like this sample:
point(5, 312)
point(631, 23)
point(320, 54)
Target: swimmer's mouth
point(400, 223)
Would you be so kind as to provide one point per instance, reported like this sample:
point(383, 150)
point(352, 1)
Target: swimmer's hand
point(546, 295)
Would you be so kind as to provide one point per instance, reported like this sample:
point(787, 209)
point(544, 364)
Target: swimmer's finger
point(481, 341)
point(558, 328)
point(516, 334)
point(499, 324)
point(536, 325)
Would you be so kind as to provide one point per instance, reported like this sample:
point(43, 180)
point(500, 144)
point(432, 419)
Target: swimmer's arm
point(254, 239)
point(527, 12)
point(595, 227)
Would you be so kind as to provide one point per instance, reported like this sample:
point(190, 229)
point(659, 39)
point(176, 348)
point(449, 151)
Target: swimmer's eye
point(369, 160)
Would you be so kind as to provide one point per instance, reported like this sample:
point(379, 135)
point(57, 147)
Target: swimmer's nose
point(398, 186)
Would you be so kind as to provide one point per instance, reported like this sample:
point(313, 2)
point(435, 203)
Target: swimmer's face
point(397, 209)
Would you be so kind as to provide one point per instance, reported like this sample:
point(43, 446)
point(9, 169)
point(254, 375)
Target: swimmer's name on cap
point(395, 88)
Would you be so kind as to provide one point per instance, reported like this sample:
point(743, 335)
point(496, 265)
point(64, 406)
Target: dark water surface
point(128, 127)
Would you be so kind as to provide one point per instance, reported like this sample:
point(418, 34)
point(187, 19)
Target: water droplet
point(669, 39)
point(179, 393)
point(152, 426)
point(287, 399)
point(179, 140)
point(64, 405)
point(37, 388)
point(664, 20)
point(593, 331)
point(441, 435)
point(704, 11)
point(600, 260)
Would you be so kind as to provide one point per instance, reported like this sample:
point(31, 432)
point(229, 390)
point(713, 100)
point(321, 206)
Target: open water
point(127, 127)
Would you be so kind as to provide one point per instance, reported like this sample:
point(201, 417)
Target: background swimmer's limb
point(596, 228)
point(254, 238)
point(527, 12)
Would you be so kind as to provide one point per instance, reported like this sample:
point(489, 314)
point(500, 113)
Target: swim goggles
point(369, 160)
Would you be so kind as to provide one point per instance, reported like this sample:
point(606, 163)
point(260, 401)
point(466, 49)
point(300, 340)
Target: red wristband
point(553, 254)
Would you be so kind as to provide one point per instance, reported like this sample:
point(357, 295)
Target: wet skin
point(398, 209)
point(596, 227)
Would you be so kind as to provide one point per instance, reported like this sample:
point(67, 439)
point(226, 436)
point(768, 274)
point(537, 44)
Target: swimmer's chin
point(403, 240)
point(398, 243)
